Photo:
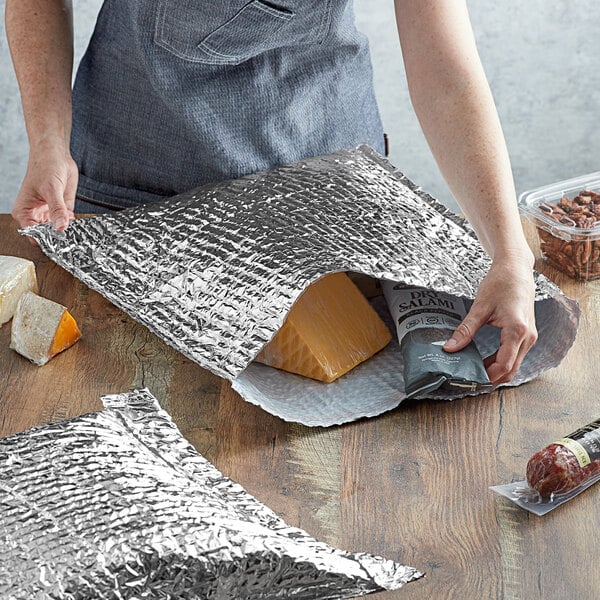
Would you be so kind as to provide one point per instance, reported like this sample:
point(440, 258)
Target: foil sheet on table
point(118, 505)
point(215, 271)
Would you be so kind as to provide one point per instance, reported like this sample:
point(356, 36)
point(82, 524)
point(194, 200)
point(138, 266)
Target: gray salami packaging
point(425, 319)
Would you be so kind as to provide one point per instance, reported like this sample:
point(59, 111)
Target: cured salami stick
point(567, 463)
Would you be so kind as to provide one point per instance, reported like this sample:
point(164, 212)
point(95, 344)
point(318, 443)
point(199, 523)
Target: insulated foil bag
point(117, 504)
point(215, 271)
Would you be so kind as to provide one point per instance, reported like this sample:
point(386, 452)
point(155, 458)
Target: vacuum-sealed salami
point(567, 463)
point(559, 471)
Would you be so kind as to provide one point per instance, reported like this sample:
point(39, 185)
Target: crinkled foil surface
point(215, 271)
point(118, 505)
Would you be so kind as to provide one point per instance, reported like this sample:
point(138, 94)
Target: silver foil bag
point(118, 505)
point(215, 271)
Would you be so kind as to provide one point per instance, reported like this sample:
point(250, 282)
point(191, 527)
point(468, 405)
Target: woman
point(172, 94)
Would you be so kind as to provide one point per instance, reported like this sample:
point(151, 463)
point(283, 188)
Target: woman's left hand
point(505, 299)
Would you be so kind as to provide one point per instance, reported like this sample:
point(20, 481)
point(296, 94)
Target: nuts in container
point(567, 217)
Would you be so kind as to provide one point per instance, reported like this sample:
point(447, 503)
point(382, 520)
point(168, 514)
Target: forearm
point(469, 148)
point(40, 38)
point(454, 105)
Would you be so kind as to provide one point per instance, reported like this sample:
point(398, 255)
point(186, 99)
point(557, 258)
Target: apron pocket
point(254, 29)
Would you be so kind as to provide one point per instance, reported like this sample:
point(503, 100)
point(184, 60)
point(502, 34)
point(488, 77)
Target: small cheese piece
point(42, 328)
point(331, 329)
point(17, 275)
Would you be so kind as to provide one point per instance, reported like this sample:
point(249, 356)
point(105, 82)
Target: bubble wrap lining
point(215, 271)
point(118, 505)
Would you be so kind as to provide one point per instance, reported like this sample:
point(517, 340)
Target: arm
point(456, 111)
point(40, 37)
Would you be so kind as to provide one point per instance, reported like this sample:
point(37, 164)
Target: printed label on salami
point(583, 458)
point(584, 443)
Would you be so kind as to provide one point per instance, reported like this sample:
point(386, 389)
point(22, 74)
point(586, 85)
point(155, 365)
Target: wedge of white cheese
point(17, 276)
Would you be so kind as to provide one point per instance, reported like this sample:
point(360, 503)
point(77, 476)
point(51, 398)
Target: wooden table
point(411, 485)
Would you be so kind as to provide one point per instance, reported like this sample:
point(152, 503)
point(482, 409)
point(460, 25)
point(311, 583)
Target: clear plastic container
point(567, 217)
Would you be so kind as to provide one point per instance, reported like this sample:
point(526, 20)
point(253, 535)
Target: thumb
point(71, 191)
point(58, 213)
point(463, 334)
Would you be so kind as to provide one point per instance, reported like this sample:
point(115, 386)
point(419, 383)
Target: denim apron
point(173, 94)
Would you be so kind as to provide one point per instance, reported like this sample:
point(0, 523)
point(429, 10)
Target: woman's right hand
point(48, 189)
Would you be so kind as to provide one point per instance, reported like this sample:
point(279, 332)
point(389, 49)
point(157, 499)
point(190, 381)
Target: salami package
point(558, 472)
point(425, 319)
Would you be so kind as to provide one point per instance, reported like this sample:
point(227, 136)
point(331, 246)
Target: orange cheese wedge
point(331, 329)
point(42, 328)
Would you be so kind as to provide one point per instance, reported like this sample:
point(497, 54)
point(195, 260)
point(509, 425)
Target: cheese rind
point(42, 328)
point(17, 275)
point(331, 329)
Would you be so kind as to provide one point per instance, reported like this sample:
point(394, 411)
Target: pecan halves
point(579, 256)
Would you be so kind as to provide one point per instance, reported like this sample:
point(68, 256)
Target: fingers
point(61, 197)
point(57, 209)
point(463, 334)
point(48, 191)
point(24, 219)
point(514, 345)
point(25, 214)
point(489, 360)
point(516, 340)
point(28, 212)
point(70, 191)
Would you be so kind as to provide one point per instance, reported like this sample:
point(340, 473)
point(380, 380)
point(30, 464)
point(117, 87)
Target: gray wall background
point(541, 57)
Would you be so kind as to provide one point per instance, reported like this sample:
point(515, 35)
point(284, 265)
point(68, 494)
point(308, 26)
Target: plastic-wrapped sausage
point(558, 472)
point(567, 463)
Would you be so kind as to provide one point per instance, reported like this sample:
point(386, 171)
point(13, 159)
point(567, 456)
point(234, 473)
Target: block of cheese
point(17, 275)
point(331, 329)
point(42, 328)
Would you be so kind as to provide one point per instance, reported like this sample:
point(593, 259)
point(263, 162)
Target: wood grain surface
point(411, 485)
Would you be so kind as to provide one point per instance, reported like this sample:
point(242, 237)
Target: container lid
point(541, 207)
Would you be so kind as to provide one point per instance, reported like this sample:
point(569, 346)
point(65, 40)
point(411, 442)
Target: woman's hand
point(48, 189)
point(505, 299)
point(40, 37)
point(456, 110)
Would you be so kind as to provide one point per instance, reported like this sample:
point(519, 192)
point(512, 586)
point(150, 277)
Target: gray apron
point(173, 94)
